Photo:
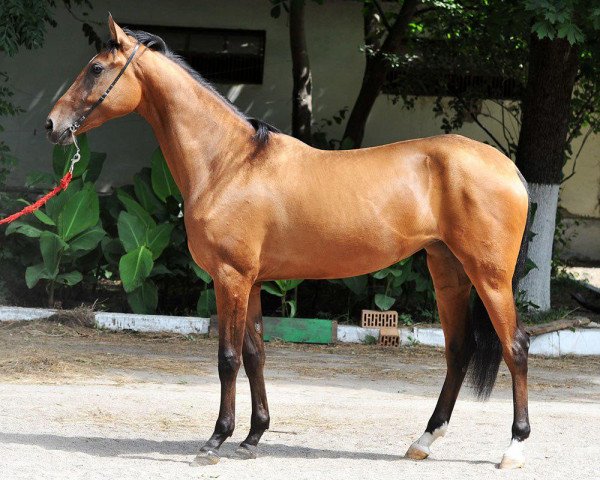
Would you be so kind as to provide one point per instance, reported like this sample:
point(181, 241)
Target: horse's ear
point(116, 33)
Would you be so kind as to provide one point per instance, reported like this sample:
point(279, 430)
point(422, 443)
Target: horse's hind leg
point(452, 289)
point(496, 292)
point(253, 354)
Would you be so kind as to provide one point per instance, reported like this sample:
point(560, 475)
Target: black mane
point(154, 42)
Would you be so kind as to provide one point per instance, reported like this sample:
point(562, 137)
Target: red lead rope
point(63, 184)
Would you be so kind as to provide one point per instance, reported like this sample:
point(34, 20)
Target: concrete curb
point(119, 321)
point(580, 341)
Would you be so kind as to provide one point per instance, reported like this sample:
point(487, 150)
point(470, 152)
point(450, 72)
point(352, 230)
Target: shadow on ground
point(137, 447)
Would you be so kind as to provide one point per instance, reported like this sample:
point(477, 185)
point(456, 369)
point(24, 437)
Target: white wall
point(334, 34)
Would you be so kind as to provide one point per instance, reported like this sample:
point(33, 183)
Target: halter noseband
point(75, 125)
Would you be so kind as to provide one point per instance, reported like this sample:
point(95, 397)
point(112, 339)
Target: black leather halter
point(75, 125)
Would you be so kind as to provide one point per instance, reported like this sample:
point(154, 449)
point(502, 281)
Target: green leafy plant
point(68, 228)
point(281, 288)
point(151, 244)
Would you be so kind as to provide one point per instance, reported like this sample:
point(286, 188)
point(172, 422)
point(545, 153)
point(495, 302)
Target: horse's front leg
point(232, 290)
point(254, 363)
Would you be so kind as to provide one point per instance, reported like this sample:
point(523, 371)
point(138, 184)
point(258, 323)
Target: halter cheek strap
point(75, 125)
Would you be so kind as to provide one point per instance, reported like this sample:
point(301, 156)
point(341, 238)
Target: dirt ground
point(81, 403)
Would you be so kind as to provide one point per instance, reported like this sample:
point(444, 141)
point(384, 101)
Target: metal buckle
point(77, 155)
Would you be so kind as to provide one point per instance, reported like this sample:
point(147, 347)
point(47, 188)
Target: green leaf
point(135, 208)
point(87, 240)
point(51, 246)
point(95, 166)
point(70, 279)
point(162, 181)
point(157, 239)
point(160, 269)
point(293, 307)
point(39, 179)
point(571, 32)
point(56, 204)
point(144, 194)
point(381, 273)
point(79, 213)
point(384, 302)
point(272, 288)
point(144, 299)
point(45, 219)
point(358, 285)
point(35, 273)
point(544, 29)
point(207, 303)
point(132, 231)
point(61, 158)
point(112, 250)
point(135, 267)
point(529, 265)
point(205, 277)
point(23, 229)
point(287, 285)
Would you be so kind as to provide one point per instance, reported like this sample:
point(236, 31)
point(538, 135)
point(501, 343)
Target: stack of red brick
point(387, 322)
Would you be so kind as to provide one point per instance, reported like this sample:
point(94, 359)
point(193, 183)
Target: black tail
point(487, 352)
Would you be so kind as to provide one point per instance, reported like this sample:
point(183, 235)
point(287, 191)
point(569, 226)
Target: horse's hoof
point(246, 452)
point(417, 452)
point(513, 456)
point(509, 463)
point(208, 457)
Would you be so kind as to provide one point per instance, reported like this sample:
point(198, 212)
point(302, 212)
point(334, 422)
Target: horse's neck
point(199, 134)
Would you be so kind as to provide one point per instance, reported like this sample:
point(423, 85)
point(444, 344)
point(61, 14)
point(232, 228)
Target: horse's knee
point(229, 362)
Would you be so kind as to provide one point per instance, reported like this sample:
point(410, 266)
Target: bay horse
point(261, 205)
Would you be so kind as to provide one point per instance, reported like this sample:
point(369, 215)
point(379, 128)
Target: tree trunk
point(375, 75)
point(553, 66)
point(302, 90)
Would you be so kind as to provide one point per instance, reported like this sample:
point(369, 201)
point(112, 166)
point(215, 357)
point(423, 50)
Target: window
point(219, 55)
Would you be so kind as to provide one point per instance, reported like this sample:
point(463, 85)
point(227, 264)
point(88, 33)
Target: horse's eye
point(97, 69)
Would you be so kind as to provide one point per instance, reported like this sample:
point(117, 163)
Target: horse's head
point(89, 86)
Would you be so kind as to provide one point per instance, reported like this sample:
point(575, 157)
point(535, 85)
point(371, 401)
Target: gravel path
point(82, 404)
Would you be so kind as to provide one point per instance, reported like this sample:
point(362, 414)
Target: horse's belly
point(338, 254)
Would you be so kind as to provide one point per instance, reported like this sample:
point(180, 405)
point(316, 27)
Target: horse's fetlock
point(521, 430)
point(260, 421)
point(225, 426)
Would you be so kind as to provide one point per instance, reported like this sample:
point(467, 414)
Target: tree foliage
point(24, 24)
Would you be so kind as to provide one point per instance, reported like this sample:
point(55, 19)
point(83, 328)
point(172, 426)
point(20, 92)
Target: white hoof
point(420, 449)
point(417, 452)
point(513, 457)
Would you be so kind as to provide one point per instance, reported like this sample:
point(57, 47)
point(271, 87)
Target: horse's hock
point(387, 322)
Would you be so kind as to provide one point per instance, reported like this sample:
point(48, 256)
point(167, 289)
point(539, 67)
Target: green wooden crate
point(296, 330)
point(300, 330)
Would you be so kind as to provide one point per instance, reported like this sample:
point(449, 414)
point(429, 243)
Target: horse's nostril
point(49, 124)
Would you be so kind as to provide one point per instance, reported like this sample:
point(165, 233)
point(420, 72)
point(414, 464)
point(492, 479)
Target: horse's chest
point(217, 237)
